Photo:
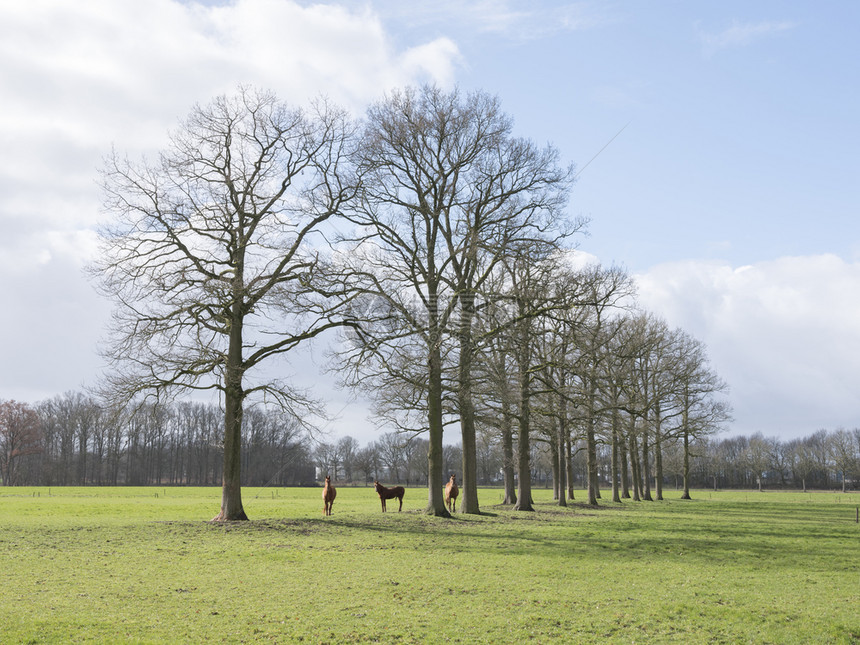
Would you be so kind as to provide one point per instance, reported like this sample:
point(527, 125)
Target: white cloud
point(783, 333)
point(513, 20)
point(77, 77)
point(540, 20)
point(52, 319)
point(740, 34)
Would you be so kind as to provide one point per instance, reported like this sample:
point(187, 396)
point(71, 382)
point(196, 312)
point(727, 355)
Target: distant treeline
point(822, 460)
point(71, 440)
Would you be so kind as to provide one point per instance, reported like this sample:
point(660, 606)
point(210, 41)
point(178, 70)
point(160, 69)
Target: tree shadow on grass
point(765, 535)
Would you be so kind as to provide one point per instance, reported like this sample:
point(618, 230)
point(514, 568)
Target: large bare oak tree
point(447, 192)
point(209, 255)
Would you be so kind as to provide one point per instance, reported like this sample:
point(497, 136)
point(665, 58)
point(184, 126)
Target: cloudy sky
point(732, 192)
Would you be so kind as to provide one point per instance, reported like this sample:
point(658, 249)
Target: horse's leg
point(401, 503)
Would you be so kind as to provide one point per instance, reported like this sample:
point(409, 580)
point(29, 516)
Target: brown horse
point(451, 492)
point(389, 493)
point(329, 493)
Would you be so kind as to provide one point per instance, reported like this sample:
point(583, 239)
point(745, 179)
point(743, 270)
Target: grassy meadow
point(143, 565)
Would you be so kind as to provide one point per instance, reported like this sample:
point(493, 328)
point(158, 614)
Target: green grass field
point(143, 565)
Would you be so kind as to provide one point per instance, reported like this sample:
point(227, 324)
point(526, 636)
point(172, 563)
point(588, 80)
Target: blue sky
point(742, 136)
point(732, 193)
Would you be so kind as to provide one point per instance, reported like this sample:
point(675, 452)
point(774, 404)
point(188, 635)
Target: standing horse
point(389, 493)
point(328, 495)
point(451, 492)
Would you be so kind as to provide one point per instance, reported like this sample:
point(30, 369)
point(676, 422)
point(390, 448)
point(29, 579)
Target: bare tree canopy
point(210, 255)
point(20, 435)
point(447, 192)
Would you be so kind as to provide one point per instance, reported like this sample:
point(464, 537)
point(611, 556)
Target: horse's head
point(327, 479)
point(453, 479)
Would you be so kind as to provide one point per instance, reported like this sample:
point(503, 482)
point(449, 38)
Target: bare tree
point(490, 458)
point(843, 454)
point(327, 459)
point(452, 457)
point(447, 191)
point(648, 396)
point(496, 387)
point(347, 447)
point(416, 461)
point(604, 292)
point(391, 447)
point(508, 193)
point(367, 462)
point(530, 289)
point(398, 259)
point(210, 258)
point(758, 458)
point(59, 420)
point(696, 385)
point(20, 435)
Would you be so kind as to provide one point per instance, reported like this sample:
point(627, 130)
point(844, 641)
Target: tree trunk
point(686, 493)
point(508, 455)
point(591, 452)
point(469, 489)
point(568, 462)
point(553, 461)
point(231, 487)
point(436, 479)
point(616, 494)
point(560, 468)
point(634, 466)
point(646, 469)
point(658, 458)
point(82, 454)
point(234, 397)
point(524, 494)
point(625, 482)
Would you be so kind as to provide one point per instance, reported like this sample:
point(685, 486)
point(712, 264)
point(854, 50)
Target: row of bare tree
point(822, 460)
point(72, 439)
point(572, 366)
point(435, 240)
